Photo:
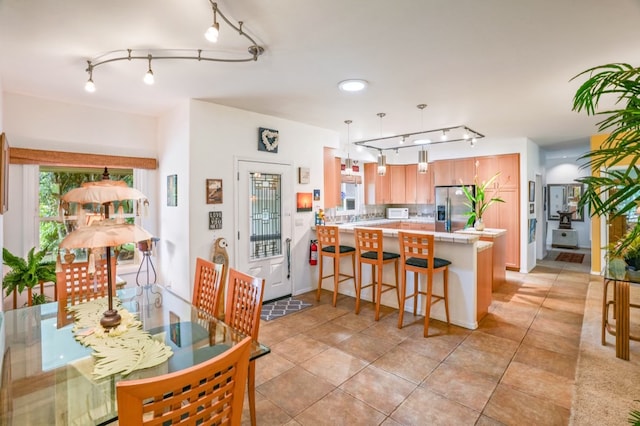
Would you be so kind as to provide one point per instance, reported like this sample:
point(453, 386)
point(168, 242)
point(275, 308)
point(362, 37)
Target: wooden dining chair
point(209, 393)
point(74, 283)
point(417, 255)
point(329, 246)
point(244, 304)
point(207, 286)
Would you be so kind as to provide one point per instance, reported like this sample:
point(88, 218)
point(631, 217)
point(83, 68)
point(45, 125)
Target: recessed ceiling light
point(352, 85)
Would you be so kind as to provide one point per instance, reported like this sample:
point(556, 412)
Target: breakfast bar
point(469, 277)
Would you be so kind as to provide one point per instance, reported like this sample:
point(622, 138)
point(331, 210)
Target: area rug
point(570, 257)
point(282, 307)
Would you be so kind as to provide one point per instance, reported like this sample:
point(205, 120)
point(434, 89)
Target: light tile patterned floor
point(330, 366)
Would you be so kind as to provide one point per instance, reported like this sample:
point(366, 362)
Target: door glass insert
point(265, 214)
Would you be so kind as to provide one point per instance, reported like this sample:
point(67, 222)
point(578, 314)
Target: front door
point(265, 203)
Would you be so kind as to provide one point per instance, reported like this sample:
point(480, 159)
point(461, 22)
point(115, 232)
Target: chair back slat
point(207, 288)
point(244, 302)
point(368, 240)
point(419, 246)
point(209, 393)
point(74, 283)
point(328, 236)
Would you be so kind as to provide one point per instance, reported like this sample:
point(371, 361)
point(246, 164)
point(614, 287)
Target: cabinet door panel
point(410, 182)
point(396, 176)
point(509, 166)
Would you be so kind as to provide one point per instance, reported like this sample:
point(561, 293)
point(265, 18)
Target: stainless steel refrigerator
point(451, 206)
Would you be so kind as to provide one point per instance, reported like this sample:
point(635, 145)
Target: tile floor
point(329, 366)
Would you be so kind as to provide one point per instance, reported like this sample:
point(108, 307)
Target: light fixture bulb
point(382, 165)
point(212, 33)
point(444, 135)
point(465, 135)
point(423, 161)
point(348, 166)
point(148, 77)
point(472, 142)
point(89, 86)
point(352, 85)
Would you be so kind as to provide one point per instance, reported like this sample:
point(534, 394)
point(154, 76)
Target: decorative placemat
point(570, 257)
point(282, 307)
point(122, 349)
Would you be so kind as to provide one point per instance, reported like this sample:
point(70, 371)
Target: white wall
point(563, 166)
point(174, 247)
point(534, 167)
point(219, 137)
point(44, 124)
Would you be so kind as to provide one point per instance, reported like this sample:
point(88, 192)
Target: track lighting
point(89, 86)
point(253, 51)
point(444, 135)
point(472, 142)
point(148, 77)
point(214, 29)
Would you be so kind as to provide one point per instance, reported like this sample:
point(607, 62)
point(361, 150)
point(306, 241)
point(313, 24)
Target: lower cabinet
point(507, 216)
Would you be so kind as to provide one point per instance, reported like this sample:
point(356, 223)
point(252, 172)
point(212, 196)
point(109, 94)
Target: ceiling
point(501, 67)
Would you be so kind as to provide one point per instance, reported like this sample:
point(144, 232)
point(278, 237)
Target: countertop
point(488, 232)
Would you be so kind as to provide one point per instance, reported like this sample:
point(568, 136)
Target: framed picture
point(172, 190)
point(531, 208)
point(214, 191)
point(303, 201)
point(4, 174)
point(268, 140)
point(316, 195)
point(215, 220)
point(532, 230)
point(303, 175)
point(174, 328)
point(532, 191)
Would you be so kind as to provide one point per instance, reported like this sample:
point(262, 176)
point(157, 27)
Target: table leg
point(622, 319)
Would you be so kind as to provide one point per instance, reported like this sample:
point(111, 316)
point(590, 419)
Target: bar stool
point(329, 245)
point(417, 256)
point(369, 250)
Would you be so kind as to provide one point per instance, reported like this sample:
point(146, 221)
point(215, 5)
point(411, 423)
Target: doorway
point(265, 202)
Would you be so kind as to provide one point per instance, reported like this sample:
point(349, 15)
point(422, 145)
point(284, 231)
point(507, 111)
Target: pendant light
point(382, 159)
point(348, 163)
point(423, 155)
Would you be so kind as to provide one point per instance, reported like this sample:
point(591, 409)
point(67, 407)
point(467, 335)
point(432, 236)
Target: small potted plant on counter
point(478, 203)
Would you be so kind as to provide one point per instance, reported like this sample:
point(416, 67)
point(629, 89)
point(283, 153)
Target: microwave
point(397, 213)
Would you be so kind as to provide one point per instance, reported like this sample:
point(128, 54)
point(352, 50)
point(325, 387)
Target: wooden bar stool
point(417, 256)
point(369, 250)
point(329, 245)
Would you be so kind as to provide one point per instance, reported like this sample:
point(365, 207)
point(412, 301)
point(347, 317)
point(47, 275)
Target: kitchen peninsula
point(470, 279)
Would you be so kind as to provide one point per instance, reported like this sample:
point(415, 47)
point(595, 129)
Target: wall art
point(172, 190)
point(214, 191)
point(215, 220)
point(268, 140)
point(304, 203)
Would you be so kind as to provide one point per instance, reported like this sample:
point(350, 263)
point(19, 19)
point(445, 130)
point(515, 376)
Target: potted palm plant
point(613, 192)
point(27, 273)
point(478, 202)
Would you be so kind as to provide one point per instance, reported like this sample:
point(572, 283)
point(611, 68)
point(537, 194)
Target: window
point(56, 219)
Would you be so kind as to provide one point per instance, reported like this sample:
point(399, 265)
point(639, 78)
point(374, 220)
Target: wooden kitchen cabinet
point(424, 186)
point(507, 216)
point(396, 179)
point(508, 165)
point(377, 188)
point(332, 178)
point(452, 172)
point(410, 183)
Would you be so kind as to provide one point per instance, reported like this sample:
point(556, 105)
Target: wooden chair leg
point(403, 293)
point(336, 278)
point(415, 293)
point(353, 270)
point(397, 282)
point(319, 277)
point(604, 311)
point(427, 311)
point(379, 291)
point(445, 289)
point(252, 391)
point(358, 287)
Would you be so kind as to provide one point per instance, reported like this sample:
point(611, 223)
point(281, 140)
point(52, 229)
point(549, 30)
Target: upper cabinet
point(454, 172)
point(332, 178)
point(508, 165)
point(397, 184)
point(424, 186)
point(377, 188)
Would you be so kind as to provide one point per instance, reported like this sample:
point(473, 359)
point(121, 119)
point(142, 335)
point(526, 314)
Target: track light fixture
point(148, 77)
point(253, 50)
point(214, 29)
point(382, 159)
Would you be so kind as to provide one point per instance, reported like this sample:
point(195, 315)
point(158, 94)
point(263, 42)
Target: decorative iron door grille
point(265, 216)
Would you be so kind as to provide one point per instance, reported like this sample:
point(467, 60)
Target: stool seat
point(329, 246)
point(424, 263)
point(342, 249)
point(417, 255)
point(369, 250)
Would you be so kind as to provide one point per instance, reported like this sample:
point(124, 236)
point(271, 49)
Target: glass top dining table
point(46, 375)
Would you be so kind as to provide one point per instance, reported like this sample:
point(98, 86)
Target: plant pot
point(617, 268)
point(478, 225)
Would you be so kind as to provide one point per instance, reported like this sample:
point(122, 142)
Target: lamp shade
point(348, 166)
point(106, 233)
point(382, 165)
point(102, 191)
point(423, 161)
